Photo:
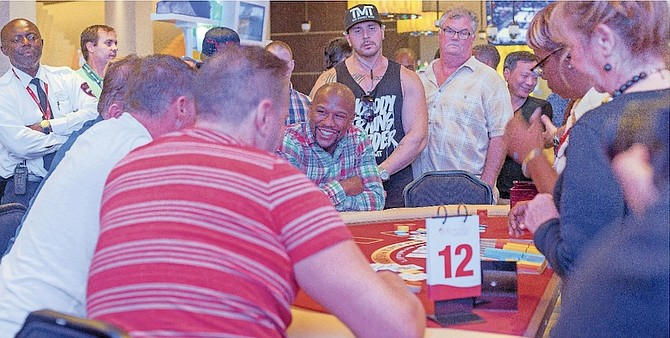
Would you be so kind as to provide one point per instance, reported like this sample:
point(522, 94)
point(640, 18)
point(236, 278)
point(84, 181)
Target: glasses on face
point(368, 103)
point(450, 33)
point(538, 70)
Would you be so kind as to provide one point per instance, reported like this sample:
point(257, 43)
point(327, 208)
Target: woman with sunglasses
point(564, 80)
point(622, 46)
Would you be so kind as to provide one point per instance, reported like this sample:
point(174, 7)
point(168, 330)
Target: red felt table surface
point(531, 288)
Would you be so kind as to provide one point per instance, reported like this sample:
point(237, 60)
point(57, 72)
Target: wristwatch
point(46, 126)
point(383, 174)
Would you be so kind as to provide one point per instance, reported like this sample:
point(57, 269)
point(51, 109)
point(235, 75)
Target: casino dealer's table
point(537, 293)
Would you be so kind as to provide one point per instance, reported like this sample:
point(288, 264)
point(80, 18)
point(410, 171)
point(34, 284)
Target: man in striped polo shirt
point(206, 232)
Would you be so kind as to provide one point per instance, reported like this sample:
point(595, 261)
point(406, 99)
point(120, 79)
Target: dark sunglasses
point(368, 105)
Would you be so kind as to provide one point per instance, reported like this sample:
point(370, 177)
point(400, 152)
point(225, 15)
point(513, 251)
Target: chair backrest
point(53, 324)
point(11, 215)
point(447, 187)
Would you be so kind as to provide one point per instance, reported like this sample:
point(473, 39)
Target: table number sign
point(452, 259)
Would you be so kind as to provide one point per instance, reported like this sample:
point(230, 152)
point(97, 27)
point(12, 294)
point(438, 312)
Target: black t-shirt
point(386, 130)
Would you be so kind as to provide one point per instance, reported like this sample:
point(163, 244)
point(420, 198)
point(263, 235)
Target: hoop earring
point(607, 67)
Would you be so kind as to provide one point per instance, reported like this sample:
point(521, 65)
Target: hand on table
point(540, 209)
point(515, 219)
point(529, 215)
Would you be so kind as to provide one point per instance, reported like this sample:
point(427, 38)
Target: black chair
point(53, 324)
point(447, 187)
point(11, 215)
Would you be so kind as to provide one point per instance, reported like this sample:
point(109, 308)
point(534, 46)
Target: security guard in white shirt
point(39, 107)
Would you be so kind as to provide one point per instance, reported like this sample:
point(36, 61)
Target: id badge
point(20, 179)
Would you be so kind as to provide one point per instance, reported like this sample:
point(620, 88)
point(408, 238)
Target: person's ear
point(346, 36)
point(291, 66)
point(263, 116)
point(114, 111)
point(506, 73)
point(185, 112)
point(89, 46)
point(604, 40)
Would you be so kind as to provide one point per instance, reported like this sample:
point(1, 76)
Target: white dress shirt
point(70, 106)
point(48, 265)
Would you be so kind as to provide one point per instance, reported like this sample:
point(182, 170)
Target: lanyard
point(92, 75)
point(46, 115)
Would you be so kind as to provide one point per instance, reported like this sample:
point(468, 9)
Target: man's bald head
point(331, 114)
point(336, 89)
point(22, 43)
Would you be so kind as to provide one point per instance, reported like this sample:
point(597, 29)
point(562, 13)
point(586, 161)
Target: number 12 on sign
point(461, 270)
point(452, 259)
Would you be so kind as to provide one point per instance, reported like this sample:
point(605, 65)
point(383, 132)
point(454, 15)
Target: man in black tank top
point(390, 100)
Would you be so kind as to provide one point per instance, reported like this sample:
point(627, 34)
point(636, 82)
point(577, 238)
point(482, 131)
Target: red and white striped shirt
point(199, 235)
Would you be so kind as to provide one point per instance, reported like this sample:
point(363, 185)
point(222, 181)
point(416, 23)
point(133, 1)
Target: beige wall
point(61, 24)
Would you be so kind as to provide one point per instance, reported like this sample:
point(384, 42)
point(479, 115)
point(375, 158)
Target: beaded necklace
point(634, 80)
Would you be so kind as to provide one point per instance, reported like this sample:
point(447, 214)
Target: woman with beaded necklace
point(623, 47)
point(564, 80)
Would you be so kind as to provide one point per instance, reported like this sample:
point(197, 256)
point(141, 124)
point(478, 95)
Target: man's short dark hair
point(487, 52)
point(336, 51)
point(228, 83)
point(164, 79)
point(114, 85)
point(512, 58)
point(90, 34)
point(218, 36)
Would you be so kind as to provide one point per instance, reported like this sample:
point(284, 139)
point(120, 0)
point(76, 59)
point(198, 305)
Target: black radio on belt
point(20, 178)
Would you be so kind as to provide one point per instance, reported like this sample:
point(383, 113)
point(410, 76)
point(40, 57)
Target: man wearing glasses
point(390, 101)
point(468, 105)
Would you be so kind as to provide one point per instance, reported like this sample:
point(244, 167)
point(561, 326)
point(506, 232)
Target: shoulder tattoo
point(358, 77)
point(331, 78)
